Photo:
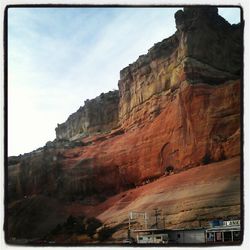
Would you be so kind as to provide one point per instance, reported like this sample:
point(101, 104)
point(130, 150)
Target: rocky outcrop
point(97, 115)
point(204, 49)
point(177, 110)
point(210, 39)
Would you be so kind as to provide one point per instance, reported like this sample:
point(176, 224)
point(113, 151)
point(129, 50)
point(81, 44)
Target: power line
point(157, 213)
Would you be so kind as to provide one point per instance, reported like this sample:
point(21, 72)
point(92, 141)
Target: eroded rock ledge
point(97, 115)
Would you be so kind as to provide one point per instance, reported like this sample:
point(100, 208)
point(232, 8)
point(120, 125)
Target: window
point(165, 237)
point(227, 236)
point(158, 237)
point(218, 236)
point(210, 236)
point(236, 236)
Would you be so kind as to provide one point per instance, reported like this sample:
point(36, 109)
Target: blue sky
point(59, 57)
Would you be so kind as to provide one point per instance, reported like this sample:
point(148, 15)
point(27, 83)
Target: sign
point(231, 223)
point(216, 223)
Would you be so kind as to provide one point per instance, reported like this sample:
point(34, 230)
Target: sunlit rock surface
point(97, 115)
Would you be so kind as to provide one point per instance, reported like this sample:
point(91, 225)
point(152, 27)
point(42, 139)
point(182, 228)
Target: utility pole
point(145, 221)
point(163, 218)
point(157, 213)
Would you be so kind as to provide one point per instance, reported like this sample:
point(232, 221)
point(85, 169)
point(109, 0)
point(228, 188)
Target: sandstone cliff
point(204, 49)
point(177, 112)
point(97, 115)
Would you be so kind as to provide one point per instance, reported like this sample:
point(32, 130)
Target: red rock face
point(200, 124)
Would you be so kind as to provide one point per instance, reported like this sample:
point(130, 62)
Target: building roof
point(166, 230)
point(221, 228)
point(149, 230)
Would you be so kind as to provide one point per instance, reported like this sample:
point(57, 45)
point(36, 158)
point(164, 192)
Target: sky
point(59, 57)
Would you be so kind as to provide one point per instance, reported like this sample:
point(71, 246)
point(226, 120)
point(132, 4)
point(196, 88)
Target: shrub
point(74, 225)
point(105, 233)
point(57, 229)
point(169, 169)
point(92, 225)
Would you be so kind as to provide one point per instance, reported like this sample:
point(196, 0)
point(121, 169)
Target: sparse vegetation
point(74, 225)
point(169, 169)
point(105, 233)
point(78, 226)
point(92, 225)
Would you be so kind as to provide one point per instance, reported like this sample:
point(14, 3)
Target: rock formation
point(177, 110)
point(97, 115)
point(205, 49)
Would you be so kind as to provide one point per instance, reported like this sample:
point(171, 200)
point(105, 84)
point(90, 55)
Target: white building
point(151, 236)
